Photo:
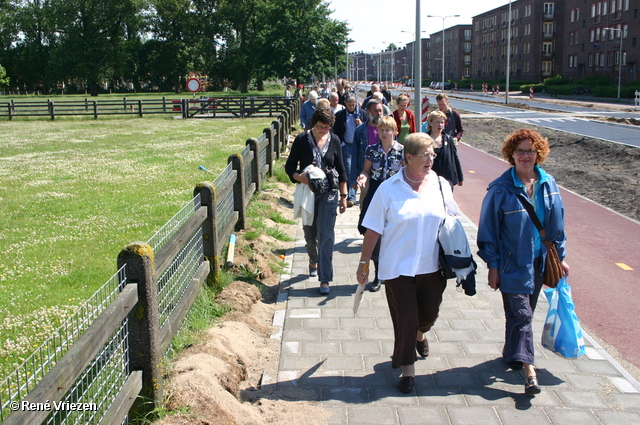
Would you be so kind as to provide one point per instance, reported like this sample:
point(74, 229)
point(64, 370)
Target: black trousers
point(414, 303)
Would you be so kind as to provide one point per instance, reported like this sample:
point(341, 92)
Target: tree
point(183, 40)
point(92, 38)
point(4, 80)
point(392, 46)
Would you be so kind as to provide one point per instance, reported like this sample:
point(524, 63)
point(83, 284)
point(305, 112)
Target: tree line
point(45, 44)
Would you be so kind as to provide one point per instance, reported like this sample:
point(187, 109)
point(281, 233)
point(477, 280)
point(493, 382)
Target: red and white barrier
point(531, 93)
point(425, 108)
point(471, 87)
point(485, 87)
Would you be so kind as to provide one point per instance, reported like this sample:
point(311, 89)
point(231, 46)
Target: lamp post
point(506, 92)
point(443, 18)
point(347, 55)
point(619, 59)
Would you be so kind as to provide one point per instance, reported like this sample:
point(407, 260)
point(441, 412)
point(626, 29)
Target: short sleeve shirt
point(384, 165)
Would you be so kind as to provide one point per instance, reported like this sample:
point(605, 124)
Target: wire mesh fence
point(22, 380)
point(157, 241)
point(94, 391)
point(175, 280)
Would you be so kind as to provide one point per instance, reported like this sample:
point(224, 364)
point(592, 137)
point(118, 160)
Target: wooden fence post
point(164, 104)
point(239, 190)
point(52, 110)
point(95, 109)
point(255, 164)
point(140, 108)
point(268, 132)
point(277, 125)
point(144, 324)
point(210, 243)
point(11, 110)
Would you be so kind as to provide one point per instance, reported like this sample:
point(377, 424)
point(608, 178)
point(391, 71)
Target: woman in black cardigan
point(321, 148)
point(447, 163)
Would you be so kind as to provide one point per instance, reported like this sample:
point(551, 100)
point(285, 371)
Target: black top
point(447, 163)
point(301, 156)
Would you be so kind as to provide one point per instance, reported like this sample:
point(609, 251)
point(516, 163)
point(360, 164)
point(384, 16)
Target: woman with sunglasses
point(511, 246)
point(405, 214)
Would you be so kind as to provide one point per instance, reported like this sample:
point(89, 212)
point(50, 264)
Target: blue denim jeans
point(320, 236)
point(347, 150)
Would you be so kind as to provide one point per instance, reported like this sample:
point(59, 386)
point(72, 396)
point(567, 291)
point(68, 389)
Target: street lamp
point(506, 93)
point(620, 58)
point(347, 56)
point(443, 18)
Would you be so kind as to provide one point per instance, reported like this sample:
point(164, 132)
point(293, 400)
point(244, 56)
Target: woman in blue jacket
point(510, 243)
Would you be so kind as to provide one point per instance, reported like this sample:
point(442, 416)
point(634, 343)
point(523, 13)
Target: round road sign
point(193, 85)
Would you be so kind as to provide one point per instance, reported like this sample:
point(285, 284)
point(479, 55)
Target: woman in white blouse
point(405, 213)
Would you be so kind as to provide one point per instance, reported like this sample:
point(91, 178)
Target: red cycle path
point(607, 297)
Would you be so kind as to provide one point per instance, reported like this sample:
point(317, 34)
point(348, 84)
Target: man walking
point(308, 108)
point(366, 135)
point(453, 125)
point(347, 120)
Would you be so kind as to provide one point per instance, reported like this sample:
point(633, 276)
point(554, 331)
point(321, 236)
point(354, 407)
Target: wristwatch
point(343, 195)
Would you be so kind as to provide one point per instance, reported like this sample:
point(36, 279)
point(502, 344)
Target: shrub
point(537, 88)
point(555, 81)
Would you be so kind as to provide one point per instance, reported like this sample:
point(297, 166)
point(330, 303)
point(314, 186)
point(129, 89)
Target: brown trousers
point(414, 303)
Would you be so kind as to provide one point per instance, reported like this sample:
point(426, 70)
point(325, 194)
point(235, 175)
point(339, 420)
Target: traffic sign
point(193, 85)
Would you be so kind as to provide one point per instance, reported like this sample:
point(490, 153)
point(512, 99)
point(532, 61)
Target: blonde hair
point(433, 115)
point(416, 142)
point(388, 122)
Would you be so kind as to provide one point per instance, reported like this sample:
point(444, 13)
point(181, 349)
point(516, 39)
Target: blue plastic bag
point(562, 333)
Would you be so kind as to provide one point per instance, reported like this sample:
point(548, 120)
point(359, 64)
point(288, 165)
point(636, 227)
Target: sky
point(375, 24)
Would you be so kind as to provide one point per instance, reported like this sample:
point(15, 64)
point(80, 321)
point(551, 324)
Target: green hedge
point(537, 88)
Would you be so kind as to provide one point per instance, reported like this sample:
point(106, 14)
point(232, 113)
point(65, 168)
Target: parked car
point(409, 82)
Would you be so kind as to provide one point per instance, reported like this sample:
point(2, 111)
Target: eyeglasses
point(427, 155)
point(323, 127)
point(530, 152)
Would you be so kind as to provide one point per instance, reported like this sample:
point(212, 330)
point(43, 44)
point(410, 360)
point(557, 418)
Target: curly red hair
point(540, 144)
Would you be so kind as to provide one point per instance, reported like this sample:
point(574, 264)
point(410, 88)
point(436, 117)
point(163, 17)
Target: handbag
point(562, 333)
point(446, 271)
point(552, 266)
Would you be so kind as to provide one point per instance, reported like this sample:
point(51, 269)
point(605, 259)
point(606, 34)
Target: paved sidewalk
point(344, 361)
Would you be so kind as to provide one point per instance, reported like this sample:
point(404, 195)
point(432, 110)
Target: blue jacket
point(360, 143)
point(306, 112)
point(506, 234)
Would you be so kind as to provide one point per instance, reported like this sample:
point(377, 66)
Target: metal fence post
point(239, 190)
point(255, 164)
point(144, 324)
point(211, 248)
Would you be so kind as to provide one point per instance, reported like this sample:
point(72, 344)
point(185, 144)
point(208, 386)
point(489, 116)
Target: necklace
point(406, 176)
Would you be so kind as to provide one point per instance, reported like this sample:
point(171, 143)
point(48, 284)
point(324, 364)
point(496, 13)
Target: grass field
point(74, 192)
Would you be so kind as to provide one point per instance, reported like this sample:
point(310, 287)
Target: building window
point(467, 47)
point(527, 29)
point(613, 7)
point(570, 38)
point(593, 10)
point(597, 58)
point(525, 66)
point(467, 34)
point(602, 59)
point(604, 7)
point(547, 29)
point(548, 10)
point(467, 72)
point(592, 33)
point(547, 48)
point(590, 59)
point(527, 48)
point(477, 26)
point(625, 30)
point(546, 68)
point(570, 61)
point(467, 59)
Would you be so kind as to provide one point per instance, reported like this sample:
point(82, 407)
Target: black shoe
point(406, 384)
point(375, 285)
point(422, 347)
point(531, 386)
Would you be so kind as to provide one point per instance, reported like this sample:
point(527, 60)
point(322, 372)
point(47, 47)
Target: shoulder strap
point(442, 193)
point(527, 206)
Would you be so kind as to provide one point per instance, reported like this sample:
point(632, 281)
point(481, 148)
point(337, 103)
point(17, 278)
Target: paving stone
point(482, 348)
point(455, 336)
point(609, 417)
point(446, 348)
point(586, 382)
point(339, 416)
point(624, 401)
point(473, 416)
point(372, 415)
point(345, 395)
point(301, 335)
point(440, 397)
point(332, 334)
point(367, 378)
point(531, 416)
point(363, 348)
point(422, 415)
point(385, 396)
point(460, 377)
point(344, 363)
point(596, 367)
point(328, 323)
point(376, 335)
point(582, 399)
point(325, 348)
point(572, 416)
point(487, 397)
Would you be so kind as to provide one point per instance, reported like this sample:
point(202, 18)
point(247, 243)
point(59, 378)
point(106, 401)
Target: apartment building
point(599, 35)
point(457, 50)
point(537, 28)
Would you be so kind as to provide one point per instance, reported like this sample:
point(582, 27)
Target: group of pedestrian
point(407, 180)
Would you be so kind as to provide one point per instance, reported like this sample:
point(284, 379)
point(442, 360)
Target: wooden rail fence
point(113, 364)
